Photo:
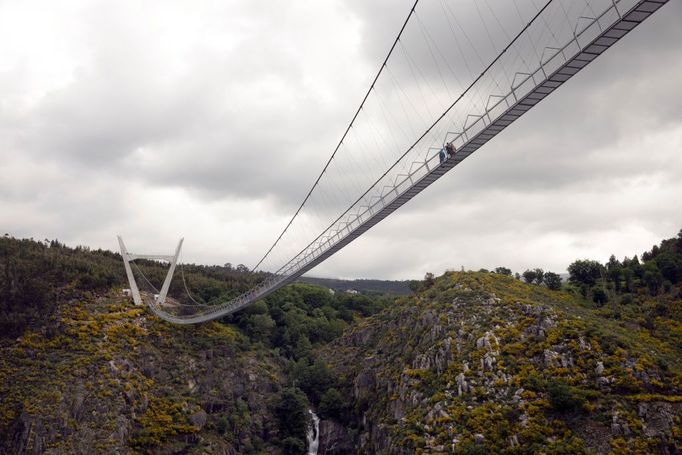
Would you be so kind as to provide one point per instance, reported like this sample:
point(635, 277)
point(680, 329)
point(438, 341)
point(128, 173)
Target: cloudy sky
point(210, 120)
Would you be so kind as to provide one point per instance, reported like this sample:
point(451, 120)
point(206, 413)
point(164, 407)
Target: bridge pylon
point(159, 298)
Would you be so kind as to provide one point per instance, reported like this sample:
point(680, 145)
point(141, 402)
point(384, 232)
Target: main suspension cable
point(350, 125)
point(428, 130)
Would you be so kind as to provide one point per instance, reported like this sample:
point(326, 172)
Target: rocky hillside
point(83, 371)
point(471, 363)
point(483, 363)
point(103, 377)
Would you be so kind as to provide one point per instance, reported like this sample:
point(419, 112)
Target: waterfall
point(313, 433)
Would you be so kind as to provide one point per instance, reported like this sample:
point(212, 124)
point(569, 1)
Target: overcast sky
point(210, 120)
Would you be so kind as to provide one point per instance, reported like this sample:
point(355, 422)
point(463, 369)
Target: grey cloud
point(559, 171)
point(250, 122)
point(194, 132)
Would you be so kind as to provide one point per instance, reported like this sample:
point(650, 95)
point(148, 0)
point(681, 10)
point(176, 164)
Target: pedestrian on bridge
point(450, 148)
point(441, 155)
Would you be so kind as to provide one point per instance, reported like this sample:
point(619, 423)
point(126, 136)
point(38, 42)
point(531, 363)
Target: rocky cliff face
point(104, 377)
point(481, 363)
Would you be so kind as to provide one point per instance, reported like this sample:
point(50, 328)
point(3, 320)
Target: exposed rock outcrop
point(463, 367)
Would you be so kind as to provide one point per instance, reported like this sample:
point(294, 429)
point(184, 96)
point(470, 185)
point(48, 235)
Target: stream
point(313, 434)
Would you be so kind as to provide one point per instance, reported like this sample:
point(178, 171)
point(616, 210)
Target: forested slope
point(82, 370)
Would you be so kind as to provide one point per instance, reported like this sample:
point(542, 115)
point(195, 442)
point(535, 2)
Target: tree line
point(659, 271)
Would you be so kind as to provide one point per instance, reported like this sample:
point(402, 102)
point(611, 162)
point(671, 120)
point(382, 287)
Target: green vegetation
point(485, 363)
point(659, 272)
point(563, 397)
point(301, 317)
point(377, 287)
point(552, 280)
point(533, 276)
point(84, 368)
point(35, 276)
point(292, 415)
point(471, 363)
point(503, 271)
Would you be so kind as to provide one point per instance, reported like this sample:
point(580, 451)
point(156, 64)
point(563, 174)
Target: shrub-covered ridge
point(107, 378)
point(482, 363)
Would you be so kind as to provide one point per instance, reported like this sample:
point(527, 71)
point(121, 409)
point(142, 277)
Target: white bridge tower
point(128, 257)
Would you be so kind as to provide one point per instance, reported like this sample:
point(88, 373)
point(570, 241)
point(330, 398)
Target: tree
point(418, 286)
point(530, 276)
point(670, 266)
point(313, 378)
point(539, 276)
point(293, 446)
point(316, 297)
point(429, 280)
point(414, 285)
point(562, 397)
point(552, 280)
point(614, 271)
point(260, 327)
point(292, 413)
point(503, 271)
point(303, 348)
point(585, 271)
point(628, 276)
point(652, 277)
point(636, 267)
point(332, 404)
point(599, 296)
point(613, 262)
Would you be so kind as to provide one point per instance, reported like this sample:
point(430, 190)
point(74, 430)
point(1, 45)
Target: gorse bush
point(562, 397)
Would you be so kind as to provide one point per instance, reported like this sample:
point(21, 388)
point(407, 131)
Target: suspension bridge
point(442, 92)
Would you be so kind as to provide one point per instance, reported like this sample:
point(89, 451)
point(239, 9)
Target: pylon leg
point(131, 278)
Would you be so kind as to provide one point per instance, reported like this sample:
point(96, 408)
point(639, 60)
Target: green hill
point(483, 363)
point(82, 370)
point(364, 286)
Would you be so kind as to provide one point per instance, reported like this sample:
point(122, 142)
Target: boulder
point(599, 369)
point(657, 418)
point(198, 419)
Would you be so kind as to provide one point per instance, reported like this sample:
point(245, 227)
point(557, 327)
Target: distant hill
point(363, 286)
